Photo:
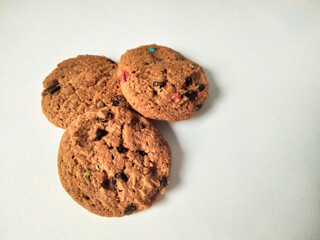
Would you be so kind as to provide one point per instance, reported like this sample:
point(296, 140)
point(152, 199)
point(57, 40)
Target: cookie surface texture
point(162, 84)
point(79, 84)
point(113, 162)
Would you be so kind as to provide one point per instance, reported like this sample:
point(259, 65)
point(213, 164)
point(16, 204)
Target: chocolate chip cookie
point(113, 162)
point(79, 84)
point(160, 83)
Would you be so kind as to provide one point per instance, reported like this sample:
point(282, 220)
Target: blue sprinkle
point(152, 49)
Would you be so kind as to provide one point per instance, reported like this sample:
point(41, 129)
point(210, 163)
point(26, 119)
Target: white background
point(246, 167)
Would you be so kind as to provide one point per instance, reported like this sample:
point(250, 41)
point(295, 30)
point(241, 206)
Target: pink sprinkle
point(124, 76)
point(176, 97)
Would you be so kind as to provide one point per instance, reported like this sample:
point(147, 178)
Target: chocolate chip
point(100, 133)
point(188, 81)
point(130, 209)
point(122, 149)
point(115, 103)
point(163, 183)
point(121, 176)
point(114, 182)
point(102, 119)
point(110, 147)
point(108, 117)
point(117, 100)
point(198, 106)
point(54, 88)
point(106, 184)
point(156, 84)
point(191, 95)
point(201, 87)
point(159, 84)
point(142, 153)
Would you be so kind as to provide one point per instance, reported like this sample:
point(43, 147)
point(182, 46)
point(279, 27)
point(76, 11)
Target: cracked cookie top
point(113, 162)
point(79, 84)
point(162, 84)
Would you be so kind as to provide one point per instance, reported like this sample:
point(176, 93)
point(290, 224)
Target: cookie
point(79, 84)
point(162, 84)
point(113, 162)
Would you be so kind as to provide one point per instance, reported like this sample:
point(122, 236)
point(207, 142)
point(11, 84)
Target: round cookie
point(113, 162)
point(162, 84)
point(80, 84)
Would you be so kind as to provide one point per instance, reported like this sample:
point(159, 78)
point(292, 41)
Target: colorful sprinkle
point(124, 76)
point(176, 97)
point(87, 174)
point(152, 49)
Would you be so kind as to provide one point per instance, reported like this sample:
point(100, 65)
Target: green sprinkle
point(87, 174)
point(152, 49)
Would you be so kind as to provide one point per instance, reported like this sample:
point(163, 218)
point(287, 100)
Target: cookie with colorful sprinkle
point(79, 84)
point(114, 162)
point(161, 83)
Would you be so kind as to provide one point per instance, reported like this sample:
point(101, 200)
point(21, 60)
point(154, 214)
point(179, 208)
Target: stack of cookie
point(112, 160)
